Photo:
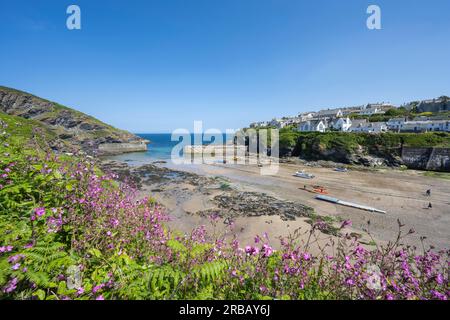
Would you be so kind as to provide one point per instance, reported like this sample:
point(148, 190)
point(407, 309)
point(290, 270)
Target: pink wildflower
point(11, 286)
point(97, 288)
point(267, 250)
point(6, 249)
point(346, 223)
point(39, 212)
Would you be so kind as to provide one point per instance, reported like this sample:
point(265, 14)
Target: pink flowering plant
point(70, 231)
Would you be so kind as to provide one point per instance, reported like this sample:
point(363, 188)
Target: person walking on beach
point(428, 192)
point(429, 205)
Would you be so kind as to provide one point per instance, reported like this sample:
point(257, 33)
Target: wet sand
point(400, 193)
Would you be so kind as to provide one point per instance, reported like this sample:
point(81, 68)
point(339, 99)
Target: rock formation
point(80, 131)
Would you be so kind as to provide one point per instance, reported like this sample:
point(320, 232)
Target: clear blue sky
point(157, 65)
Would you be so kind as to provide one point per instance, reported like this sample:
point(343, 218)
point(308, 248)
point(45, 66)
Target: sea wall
point(228, 149)
point(118, 148)
point(435, 159)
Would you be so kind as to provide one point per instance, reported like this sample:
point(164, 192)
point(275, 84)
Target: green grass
point(22, 129)
point(440, 175)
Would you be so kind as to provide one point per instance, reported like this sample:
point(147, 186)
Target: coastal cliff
point(425, 151)
point(74, 130)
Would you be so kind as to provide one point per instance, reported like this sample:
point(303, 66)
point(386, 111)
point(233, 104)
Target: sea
point(159, 149)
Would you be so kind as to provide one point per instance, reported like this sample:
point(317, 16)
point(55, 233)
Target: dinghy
point(304, 175)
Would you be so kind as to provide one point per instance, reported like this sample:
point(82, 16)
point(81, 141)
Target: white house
point(370, 127)
point(259, 124)
point(312, 125)
point(414, 126)
point(349, 110)
point(421, 126)
point(395, 124)
point(329, 114)
point(304, 116)
point(441, 125)
point(290, 121)
point(371, 110)
point(278, 123)
point(356, 123)
point(342, 124)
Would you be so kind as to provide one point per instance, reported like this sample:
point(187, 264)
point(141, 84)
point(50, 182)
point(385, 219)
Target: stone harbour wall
point(435, 159)
point(118, 148)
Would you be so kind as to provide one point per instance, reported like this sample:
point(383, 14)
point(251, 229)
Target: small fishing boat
point(341, 169)
point(304, 175)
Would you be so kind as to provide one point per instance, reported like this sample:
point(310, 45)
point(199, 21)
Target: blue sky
point(158, 65)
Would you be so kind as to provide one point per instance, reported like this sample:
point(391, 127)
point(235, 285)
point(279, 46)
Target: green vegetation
point(440, 175)
point(70, 231)
point(23, 131)
point(308, 143)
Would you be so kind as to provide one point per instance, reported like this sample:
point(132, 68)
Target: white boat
point(349, 204)
point(341, 169)
point(304, 175)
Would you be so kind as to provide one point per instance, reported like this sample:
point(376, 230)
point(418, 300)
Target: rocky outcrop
point(361, 155)
point(251, 204)
point(77, 129)
point(432, 159)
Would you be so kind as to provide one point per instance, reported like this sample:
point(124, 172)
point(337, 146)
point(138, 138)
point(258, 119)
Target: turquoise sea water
point(159, 149)
point(160, 146)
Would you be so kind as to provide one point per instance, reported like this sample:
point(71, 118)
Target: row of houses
point(338, 119)
point(362, 125)
point(326, 115)
point(344, 125)
point(417, 125)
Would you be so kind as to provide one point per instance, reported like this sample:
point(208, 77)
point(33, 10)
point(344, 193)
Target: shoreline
point(190, 193)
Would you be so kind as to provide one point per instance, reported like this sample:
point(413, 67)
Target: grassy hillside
point(26, 132)
point(75, 128)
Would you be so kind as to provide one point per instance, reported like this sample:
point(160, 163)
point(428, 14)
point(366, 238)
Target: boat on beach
point(349, 204)
point(340, 169)
point(304, 175)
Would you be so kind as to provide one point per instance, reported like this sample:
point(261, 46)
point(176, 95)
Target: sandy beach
point(400, 193)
